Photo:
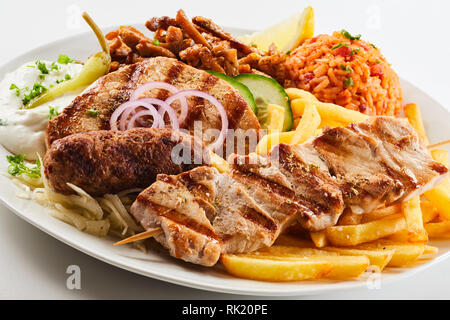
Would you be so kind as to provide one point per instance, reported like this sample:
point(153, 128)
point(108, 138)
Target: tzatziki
point(22, 131)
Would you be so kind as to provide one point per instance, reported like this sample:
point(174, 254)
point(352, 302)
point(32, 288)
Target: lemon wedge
point(286, 35)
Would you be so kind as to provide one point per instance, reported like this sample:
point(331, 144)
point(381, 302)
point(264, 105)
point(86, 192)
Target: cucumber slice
point(267, 91)
point(245, 93)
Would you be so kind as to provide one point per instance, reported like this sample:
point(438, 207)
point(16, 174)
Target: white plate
point(160, 265)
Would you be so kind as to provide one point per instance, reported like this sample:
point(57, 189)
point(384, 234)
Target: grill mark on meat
point(258, 218)
point(115, 88)
point(206, 83)
point(176, 217)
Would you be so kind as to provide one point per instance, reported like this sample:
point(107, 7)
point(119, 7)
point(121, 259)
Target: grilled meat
point(103, 162)
point(378, 162)
point(115, 88)
point(204, 213)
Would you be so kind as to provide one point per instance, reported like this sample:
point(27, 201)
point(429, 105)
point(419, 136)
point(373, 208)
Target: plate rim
point(98, 254)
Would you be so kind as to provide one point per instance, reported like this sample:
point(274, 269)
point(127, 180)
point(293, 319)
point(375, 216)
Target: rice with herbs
point(344, 70)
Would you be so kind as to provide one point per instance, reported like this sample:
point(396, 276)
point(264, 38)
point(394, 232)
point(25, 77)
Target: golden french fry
point(438, 229)
point(331, 124)
point(342, 267)
point(276, 118)
point(381, 213)
point(412, 112)
point(296, 122)
point(308, 125)
point(430, 250)
point(440, 195)
point(319, 238)
point(266, 269)
point(328, 111)
point(366, 232)
point(429, 211)
point(377, 257)
point(219, 163)
point(295, 93)
point(290, 251)
point(270, 140)
point(414, 223)
point(404, 253)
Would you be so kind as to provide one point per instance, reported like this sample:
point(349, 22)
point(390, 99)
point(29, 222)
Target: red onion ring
point(158, 122)
point(164, 108)
point(223, 114)
point(139, 114)
point(165, 86)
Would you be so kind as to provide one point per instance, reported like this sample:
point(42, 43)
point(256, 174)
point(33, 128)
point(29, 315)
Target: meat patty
point(116, 87)
point(103, 162)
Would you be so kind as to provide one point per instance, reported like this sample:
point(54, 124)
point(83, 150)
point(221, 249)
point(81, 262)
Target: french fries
point(308, 125)
point(328, 111)
point(414, 223)
point(438, 229)
point(319, 238)
point(404, 253)
point(366, 232)
point(219, 163)
point(276, 116)
point(412, 112)
point(377, 257)
point(249, 267)
point(440, 195)
point(272, 139)
point(295, 93)
point(300, 263)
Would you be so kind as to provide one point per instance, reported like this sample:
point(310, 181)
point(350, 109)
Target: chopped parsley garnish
point(54, 66)
point(37, 90)
point(374, 46)
point(64, 59)
point(340, 44)
point(253, 45)
point(66, 77)
point(52, 112)
point(346, 68)
point(42, 76)
point(355, 51)
point(156, 42)
point(17, 89)
point(347, 34)
point(42, 67)
point(348, 82)
point(378, 61)
point(288, 53)
point(17, 167)
point(92, 112)
point(3, 122)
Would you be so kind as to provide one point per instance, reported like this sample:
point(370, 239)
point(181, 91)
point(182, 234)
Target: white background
point(413, 35)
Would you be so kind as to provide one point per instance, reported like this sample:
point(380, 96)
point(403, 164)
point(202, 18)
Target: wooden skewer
point(140, 236)
point(439, 144)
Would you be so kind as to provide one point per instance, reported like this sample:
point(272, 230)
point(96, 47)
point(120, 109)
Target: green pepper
point(96, 66)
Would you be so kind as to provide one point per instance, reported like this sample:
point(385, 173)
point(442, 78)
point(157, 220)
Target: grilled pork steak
point(103, 162)
point(204, 213)
point(116, 87)
point(378, 162)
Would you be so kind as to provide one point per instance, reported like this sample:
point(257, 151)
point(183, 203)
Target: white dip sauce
point(22, 131)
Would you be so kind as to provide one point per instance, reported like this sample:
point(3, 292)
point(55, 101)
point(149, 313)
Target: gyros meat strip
point(103, 162)
point(204, 213)
point(116, 87)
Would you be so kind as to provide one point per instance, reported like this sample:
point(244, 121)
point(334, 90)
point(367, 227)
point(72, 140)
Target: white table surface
point(413, 35)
